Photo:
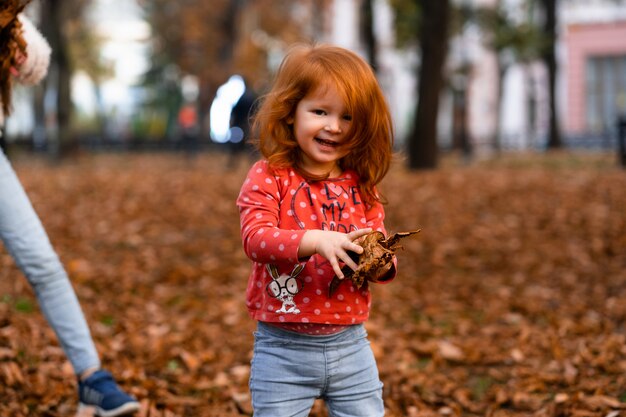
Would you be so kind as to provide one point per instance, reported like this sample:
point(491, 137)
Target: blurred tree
point(407, 19)
point(427, 22)
point(267, 28)
point(368, 36)
point(512, 42)
point(84, 52)
point(162, 99)
point(213, 40)
point(64, 25)
point(58, 136)
point(458, 82)
point(549, 58)
point(549, 27)
point(423, 148)
point(194, 35)
point(427, 25)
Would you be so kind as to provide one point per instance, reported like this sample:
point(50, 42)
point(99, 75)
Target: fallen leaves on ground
point(510, 302)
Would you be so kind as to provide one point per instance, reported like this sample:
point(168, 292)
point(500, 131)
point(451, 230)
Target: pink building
point(595, 76)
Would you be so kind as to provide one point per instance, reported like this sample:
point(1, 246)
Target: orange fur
point(371, 134)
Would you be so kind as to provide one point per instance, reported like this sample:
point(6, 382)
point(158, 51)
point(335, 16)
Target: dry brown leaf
point(378, 251)
point(450, 351)
point(602, 402)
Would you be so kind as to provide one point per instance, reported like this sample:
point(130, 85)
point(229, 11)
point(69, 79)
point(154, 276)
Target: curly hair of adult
point(370, 138)
point(11, 41)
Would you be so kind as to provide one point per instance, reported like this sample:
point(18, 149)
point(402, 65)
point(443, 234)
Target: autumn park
point(508, 303)
point(131, 146)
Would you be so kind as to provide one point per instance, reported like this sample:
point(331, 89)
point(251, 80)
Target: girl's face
point(320, 125)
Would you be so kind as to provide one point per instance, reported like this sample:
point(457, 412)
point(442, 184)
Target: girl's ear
point(289, 120)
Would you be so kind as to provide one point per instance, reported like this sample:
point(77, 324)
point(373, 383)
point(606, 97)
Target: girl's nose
point(333, 126)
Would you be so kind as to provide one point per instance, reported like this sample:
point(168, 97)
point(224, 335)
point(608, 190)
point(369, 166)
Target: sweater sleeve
point(259, 210)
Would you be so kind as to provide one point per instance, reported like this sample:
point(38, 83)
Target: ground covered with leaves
point(510, 302)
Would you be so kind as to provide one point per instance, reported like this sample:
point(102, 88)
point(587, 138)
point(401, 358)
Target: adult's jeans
point(26, 240)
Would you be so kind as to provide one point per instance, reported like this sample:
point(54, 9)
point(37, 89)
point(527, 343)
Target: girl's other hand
point(333, 246)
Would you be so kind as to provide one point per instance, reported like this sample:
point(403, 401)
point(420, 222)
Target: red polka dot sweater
point(276, 209)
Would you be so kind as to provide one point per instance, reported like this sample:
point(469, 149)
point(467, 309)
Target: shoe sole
point(123, 410)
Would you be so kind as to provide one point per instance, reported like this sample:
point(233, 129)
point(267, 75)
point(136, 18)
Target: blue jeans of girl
point(290, 370)
point(26, 240)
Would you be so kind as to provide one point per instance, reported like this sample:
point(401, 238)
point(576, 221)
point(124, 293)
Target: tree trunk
point(39, 111)
point(3, 143)
point(460, 135)
point(422, 144)
point(64, 100)
point(367, 33)
point(496, 141)
point(230, 29)
point(549, 58)
point(531, 106)
point(208, 92)
point(101, 114)
point(59, 138)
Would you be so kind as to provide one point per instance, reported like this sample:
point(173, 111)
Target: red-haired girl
point(326, 136)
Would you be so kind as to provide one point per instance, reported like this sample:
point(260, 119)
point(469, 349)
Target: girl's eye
point(319, 112)
point(347, 117)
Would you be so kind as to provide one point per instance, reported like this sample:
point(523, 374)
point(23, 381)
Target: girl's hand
point(333, 246)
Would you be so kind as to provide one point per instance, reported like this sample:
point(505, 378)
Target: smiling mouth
point(326, 142)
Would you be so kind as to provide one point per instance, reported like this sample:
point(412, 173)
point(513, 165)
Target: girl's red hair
point(370, 137)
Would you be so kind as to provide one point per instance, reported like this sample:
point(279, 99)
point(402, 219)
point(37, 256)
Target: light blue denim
point(290, 370)
point(26, 240)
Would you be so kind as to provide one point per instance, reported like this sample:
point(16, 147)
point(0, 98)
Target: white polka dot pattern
point(275, 210)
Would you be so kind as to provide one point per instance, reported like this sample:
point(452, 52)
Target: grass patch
point(108, 321)
point(24, 305)
point(479, 386)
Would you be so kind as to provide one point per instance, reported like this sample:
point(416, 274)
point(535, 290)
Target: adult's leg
point(27, 241)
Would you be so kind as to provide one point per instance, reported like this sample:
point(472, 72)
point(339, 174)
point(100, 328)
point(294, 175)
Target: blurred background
point(507, 304)
point(475, 76)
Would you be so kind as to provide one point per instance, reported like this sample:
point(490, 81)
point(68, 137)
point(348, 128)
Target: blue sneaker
point(101, 392)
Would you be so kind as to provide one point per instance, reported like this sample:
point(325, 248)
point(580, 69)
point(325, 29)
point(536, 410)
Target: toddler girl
point(325, 133)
